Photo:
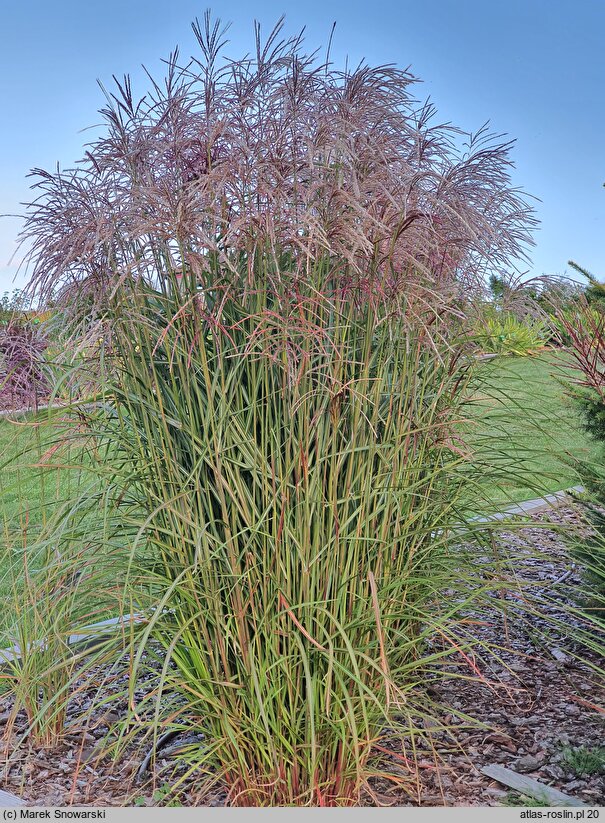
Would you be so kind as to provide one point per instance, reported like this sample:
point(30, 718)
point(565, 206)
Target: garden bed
point(526, 708)
point(537, 699)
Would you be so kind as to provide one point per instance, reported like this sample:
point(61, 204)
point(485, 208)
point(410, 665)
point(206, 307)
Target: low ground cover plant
point(582, 760)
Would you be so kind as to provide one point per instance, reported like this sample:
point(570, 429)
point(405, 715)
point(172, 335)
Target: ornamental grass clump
point(278, 255)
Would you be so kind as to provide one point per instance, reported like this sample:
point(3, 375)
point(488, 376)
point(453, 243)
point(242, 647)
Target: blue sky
point(533, 68)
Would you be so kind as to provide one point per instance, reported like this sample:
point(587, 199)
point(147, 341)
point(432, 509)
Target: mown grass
point(38, 476)
point(30, 479)
point(523, 421)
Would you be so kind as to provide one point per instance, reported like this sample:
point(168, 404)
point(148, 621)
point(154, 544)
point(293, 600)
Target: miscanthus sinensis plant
point(276, 256)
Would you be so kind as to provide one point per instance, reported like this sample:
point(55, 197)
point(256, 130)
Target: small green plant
point(515, 799)
point(503, 333)
point(162, 796)
point(584, 760)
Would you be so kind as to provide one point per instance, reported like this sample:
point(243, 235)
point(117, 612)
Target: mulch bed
point(530, 701)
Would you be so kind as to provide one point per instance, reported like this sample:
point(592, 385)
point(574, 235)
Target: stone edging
point(86, 638)
point(531, 506)
point(9, 799)
point(31, 409)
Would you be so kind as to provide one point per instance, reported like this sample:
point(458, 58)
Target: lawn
point(26, 488)
point(520, 411)
point(34, 482)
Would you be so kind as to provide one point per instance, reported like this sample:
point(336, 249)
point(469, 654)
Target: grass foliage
point(583, 760)
point(272, 261)
point(59, 553)
point(294, 490)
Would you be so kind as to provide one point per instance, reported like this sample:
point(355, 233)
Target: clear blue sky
point(534, 68)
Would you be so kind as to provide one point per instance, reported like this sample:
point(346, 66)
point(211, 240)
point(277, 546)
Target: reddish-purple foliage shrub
point(23, 380)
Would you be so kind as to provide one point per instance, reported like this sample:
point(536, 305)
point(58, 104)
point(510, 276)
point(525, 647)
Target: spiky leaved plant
point(280, 255)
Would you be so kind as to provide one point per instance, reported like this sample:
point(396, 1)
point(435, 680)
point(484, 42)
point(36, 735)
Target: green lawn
point(34, 487)
point(34, 482)
point(27, 490)
point(521, 414)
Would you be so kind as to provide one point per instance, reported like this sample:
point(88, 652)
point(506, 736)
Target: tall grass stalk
point(297, 479)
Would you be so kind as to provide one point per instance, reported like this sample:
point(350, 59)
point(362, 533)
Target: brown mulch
point(518, 708)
